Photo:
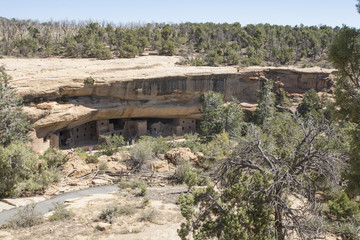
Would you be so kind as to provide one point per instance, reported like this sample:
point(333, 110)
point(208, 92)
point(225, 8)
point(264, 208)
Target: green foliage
point(25, 217)
point(128, 51)
point(112, 211)
point(218, 116)
point(141, 187)
point(111, 144)
point(266, 104)
point(310, 103)
point(60, 213)
point(249, 200)
point(126, 210)
point(232, 215)
point(140, 153)
point(167, 48)
point(27, 46)
point(344, 209)
point(348, 230)
point(89, 81)
point(17, 164)
point(81, 154)
point(186, 201)
point(214, 44)
point(21, 173)
point(344, 53)
point(54, 157)
point(149, 215)
point(191, 179)
point(282, 99)
point(14, 125)
point(124, 185)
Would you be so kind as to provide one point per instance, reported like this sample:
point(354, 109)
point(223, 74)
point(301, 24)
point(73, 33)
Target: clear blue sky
point(281, 12)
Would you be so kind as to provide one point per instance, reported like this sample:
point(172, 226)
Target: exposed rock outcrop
point(177, 154)
point(145, 87)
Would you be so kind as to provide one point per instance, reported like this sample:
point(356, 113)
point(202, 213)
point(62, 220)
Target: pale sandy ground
point(84, 224)
point(46, 74)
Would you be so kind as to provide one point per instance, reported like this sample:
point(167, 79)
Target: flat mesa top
point(40, 75)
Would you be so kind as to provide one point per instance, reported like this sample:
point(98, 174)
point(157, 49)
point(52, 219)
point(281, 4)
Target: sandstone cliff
point(145, 87)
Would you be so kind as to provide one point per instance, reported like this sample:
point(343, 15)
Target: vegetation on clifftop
point(200, 43)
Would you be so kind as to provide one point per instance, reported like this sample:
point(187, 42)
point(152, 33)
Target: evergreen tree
point(219, 116)
point(13, 123)
point(266, 104)
point(311, 102)
point(345, 56)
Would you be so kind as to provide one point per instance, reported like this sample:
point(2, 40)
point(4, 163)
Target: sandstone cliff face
point(144, 87)
point(166, 97)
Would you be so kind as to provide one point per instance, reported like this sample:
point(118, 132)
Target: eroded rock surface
point(145, 87)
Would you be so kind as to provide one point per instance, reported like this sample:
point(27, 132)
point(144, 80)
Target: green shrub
point(182, 168)
point(54, 157)
point(141, 186)
point(128, 51)
point(149, 215)
point(103, 166)
point(140, 153)
point(191, 179)
point(344, 209)
point(113, 211)
point(126, 210)
point(25, 217)
point(82, 154)
point(145, 202)
point(186, 202)
point(111, 144)
point(124, 185)
point(92, 158)
point(109, 213)
point(37, 181)
point(350, 231)
point(89, 81)
point(18, 163)
point(60, 213)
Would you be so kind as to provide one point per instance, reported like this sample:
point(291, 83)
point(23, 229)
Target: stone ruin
point(89, 134)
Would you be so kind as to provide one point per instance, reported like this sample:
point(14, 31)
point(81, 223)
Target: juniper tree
point(345, 55)
point(250, 196)
point(13, 123)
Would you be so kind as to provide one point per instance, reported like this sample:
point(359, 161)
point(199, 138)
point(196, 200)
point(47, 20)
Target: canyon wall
point(160, 97)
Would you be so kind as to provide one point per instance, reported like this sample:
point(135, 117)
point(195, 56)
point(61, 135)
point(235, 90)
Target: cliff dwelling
point(89, 134)
point(149, 95)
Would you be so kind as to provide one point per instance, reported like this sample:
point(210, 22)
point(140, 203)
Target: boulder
point(76, 167)
point(99, 182)
point(177, 154)
point(159, 166)
point(104, 158)
point(115, 166)
point(103, 226)
point(121, 156)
